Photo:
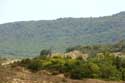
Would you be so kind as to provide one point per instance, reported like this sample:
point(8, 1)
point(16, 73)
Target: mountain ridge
point(29, 37)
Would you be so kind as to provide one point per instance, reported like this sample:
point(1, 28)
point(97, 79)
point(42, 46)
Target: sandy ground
point(22, 75)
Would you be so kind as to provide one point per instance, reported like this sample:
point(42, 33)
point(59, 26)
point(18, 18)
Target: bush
point(106, 68)
point(34, 66)
point(108, 71)
point(91, 70)
point(76, 73)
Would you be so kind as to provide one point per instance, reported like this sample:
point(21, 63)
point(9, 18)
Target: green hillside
point(28, 38)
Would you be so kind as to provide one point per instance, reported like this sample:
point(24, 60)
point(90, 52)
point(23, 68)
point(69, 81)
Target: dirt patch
point(22, 75)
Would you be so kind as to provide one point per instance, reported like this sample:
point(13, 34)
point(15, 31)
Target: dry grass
point(21, 75)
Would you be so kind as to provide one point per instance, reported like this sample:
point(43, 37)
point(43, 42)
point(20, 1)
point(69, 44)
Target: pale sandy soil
point(21, 75)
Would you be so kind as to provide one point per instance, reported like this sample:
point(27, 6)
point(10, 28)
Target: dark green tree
point(45, 52)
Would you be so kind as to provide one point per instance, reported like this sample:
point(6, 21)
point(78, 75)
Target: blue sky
point(24, 10)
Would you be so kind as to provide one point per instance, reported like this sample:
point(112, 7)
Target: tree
point(70, 49)
point(123, 73)
point(45, 52)
point(110, 72)
point(118, 62)
point(91, 70)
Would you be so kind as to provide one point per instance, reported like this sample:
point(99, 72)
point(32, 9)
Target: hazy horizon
point(26, 10)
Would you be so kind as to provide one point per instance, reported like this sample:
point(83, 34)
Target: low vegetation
point(104, 65)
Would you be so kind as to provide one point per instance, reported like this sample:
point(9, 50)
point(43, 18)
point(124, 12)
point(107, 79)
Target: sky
point(25, 10)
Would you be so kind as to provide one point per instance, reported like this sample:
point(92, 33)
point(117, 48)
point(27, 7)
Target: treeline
point(94, 49)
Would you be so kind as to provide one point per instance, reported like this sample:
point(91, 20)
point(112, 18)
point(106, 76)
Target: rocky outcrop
point(75, 55)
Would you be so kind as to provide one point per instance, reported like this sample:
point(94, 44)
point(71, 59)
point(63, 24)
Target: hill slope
point(21, 75)
point(28, 38)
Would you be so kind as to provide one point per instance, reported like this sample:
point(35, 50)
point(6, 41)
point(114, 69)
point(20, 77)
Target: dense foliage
point(104, 66)
point(28, 38)
point(94, 49)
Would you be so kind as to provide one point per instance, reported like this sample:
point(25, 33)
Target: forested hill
point(28, 38)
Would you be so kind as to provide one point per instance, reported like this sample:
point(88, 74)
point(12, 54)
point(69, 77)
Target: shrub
point(95, 67)
point(91, 70)
point(108, 71)
point(45, 52)
point(34, 66)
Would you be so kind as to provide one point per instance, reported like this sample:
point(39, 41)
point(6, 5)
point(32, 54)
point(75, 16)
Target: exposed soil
point(22, 75)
